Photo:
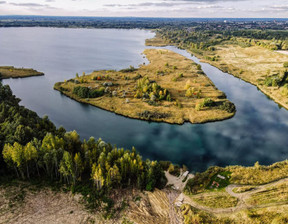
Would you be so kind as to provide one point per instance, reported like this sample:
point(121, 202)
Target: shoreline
point(8, 72)
point(166, 111)
point(233, 73)
point(21, 77)
point(139, 118)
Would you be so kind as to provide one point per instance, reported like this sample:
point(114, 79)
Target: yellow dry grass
point(156, 41)
point(215, 199)
point(11, 72)
point(252, 64)
point(274, 194)
point(168, 65)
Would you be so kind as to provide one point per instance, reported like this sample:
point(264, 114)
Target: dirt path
point(241, 196)
point(177, 181)
point(173, 215)
point(173, 195)
point(282, 52)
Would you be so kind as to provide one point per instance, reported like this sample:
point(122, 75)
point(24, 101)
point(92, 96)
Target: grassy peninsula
point(12, 72)
point(171, 88)
point(257, 57)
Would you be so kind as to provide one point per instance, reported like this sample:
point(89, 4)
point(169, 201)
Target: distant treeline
point(142, 23)
point(198, 39)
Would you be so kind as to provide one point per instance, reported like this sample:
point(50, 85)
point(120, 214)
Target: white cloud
point(148, 8)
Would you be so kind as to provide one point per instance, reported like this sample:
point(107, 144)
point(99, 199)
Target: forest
point(33, 148)
point(199, 39)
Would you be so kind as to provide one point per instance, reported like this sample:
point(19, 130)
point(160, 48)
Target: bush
point(130, 69)
point(285, 65)
point(85, 92)
point(150, 89)
point(272, 81)
point(207, 102)
point(228, 106)
point(165, 164)
point(174, 170)
point(82, 92)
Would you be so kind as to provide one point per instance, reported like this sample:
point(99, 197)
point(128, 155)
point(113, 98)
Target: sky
point(148, 8)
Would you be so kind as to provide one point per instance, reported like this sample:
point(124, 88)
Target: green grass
point(222, 183)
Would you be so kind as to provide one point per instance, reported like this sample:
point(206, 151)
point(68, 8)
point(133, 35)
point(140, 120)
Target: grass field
point(172, 73)
point(257, 194)
point(215, 199)
point(273, 194)
point(255, 65)
point(11, 72)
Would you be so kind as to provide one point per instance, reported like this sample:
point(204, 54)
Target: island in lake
point(170, 89)
point(12, 72)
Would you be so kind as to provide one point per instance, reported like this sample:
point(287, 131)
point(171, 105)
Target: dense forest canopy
point(198, 38)
point(32, 147)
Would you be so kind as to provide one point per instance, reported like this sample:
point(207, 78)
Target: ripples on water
point(256, 133)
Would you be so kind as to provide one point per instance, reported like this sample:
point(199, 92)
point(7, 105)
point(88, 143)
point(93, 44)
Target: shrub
point(148, 89)
point(176, 78)
point(207, 102)
point(178, 104)
point(187, 85)
point(130, 69)
point(272, 81)
point(285, 65)
point(85, 92)
point(284, 90)
point(228, 106)
point(174, 170)
point(165, 164)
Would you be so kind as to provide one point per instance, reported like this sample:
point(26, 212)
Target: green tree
point(67, 168)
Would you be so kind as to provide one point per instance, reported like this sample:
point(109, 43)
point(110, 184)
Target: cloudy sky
point(148, 8)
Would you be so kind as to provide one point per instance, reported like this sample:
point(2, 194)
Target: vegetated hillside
point(248, 54)
point(171, 88)
point(34, 149)
point(18, 124)
point(11, 72)
point(237, 194)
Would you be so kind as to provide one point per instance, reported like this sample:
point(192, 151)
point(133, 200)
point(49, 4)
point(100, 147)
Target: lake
point(256, 133)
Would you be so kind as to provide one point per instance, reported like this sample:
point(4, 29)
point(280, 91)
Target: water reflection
point(255, 133)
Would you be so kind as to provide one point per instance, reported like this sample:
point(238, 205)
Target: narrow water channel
point(256, 133)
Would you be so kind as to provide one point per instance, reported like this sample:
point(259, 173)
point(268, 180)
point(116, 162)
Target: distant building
point(221, 177)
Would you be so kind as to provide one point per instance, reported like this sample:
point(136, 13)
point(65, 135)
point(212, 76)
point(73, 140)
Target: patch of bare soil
point(44, 206)
point(20, 204)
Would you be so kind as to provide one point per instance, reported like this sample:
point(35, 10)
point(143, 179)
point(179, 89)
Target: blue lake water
point(256, 133)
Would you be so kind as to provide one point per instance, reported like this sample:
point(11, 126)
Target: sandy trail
point(241, 196)
point(282, 52)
